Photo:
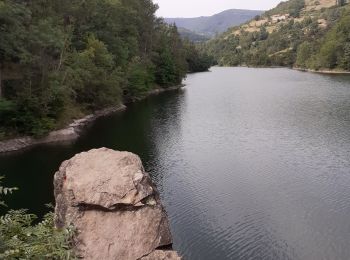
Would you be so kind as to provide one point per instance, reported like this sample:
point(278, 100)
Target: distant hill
point(218, 23)
point(307, 34)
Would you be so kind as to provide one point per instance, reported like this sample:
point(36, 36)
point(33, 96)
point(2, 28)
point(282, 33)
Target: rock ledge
point(111, 201)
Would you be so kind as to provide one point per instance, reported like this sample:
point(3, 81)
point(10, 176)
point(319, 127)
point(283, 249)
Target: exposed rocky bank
point(114, 206)
point(70, 133)
point(73, 130)
point(324, 71)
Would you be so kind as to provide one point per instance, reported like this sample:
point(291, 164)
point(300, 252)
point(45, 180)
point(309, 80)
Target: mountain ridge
point(221, 12)
point(215, 24)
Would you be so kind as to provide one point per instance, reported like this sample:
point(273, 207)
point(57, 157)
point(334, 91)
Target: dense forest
point(60, 60)
point(305, 34)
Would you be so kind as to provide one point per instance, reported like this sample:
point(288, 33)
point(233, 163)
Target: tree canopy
point(62, 59)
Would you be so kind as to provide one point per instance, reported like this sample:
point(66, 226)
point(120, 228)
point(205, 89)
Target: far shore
point(324, 71)
point(321, 71)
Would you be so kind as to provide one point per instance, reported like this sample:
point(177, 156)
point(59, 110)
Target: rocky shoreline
point(321, 71)
point(71, 132)
point(68, 134)
point(330, 72)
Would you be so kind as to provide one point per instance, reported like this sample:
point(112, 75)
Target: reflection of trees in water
point(135, 130)
point(164, 129)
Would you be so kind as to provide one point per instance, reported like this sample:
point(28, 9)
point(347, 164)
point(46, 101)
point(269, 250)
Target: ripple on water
point(250, 163)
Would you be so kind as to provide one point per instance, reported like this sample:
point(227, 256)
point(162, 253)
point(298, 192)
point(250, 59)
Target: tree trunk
point(0, 83)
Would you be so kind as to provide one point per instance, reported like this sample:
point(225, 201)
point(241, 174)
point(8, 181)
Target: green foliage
point(292, 7)
point(197, 60)
point(170, 61)
point(92, 77)
point(140, 79)
point(65, 55)
point(21, 239)
point(13, 18)
point(166, 70)
point(304, 53)
point(345, 60)
point(333, 51)
point(4, 191)
point(301, 43)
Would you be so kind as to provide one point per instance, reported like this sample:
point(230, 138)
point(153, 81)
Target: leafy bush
point(140, 79)
point(197, 60)
point(92, 77)
point(20, 239)
point(334, 50)
point(4, 191)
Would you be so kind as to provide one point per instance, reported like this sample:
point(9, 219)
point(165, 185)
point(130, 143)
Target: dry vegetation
point(314, 5)
point(303, 33)
point(271, 22)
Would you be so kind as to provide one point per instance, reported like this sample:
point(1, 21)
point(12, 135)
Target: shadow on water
point(32, 169)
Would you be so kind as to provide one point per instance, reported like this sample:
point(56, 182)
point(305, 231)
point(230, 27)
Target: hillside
point(192, 36)
point(307, 34)
point(218, 23)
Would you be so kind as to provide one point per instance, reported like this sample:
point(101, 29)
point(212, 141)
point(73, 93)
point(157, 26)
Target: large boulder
point(111, 201)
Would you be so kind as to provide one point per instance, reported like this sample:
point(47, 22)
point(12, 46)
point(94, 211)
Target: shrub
point(20, 239)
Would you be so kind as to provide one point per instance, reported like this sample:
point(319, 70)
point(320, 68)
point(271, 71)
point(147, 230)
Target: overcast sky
point(194, 8)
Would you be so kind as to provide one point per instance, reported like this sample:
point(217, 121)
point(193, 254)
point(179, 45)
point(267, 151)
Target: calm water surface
point(250, 163)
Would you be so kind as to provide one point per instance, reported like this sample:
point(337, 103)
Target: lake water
point(250, 163)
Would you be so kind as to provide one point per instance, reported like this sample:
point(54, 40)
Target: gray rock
point(107, 196)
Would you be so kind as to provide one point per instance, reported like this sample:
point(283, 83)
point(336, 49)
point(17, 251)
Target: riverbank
point(332, 72)
point(67, 134)
point(73, 131)
point(158, 91)
point(321, 71)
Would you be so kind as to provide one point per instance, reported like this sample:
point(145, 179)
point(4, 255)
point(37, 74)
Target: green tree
point(92, 76)
point(13, 18)
point(304, 54)
point(345, 61)
point(140, 79)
